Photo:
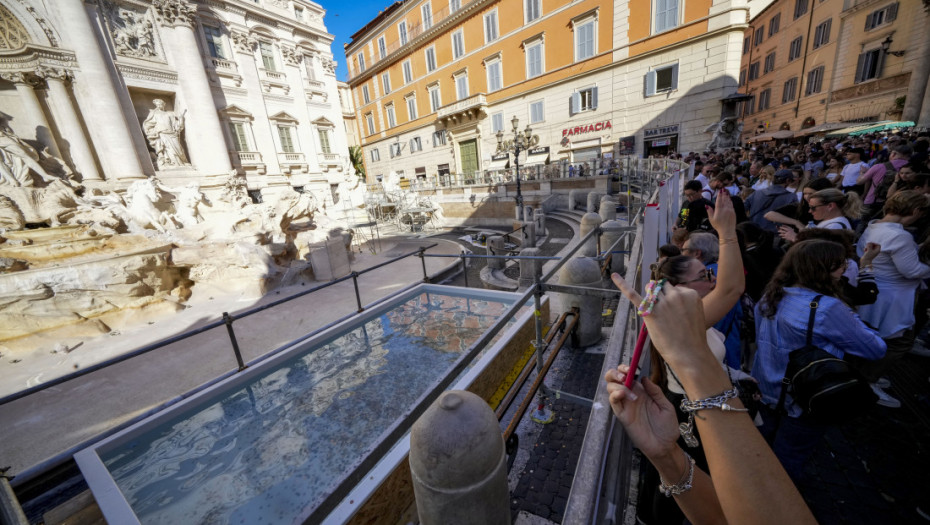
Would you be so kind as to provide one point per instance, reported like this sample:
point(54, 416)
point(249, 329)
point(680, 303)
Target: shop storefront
point(660, 141)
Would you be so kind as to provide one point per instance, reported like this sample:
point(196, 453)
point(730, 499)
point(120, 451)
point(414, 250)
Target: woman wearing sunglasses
point(718, 296)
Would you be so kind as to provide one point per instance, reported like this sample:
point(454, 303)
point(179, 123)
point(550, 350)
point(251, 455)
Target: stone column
point(79, 150)
point(38, 122)
point(205, 141)
point(99, 96)
point(924, 119)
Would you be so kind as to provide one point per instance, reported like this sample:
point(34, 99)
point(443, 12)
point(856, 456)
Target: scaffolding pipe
point(581, 290)
point(527, 368)
point(521, 410)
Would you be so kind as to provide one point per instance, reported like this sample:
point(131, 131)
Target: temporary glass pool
point(269, 444)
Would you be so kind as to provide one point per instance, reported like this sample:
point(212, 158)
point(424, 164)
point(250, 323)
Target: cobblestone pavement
point(874, 470)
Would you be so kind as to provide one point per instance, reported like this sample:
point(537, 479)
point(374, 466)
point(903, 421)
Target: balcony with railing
point(413, 32)
point(225, 68)
point(250, 160)
point(292, 161)
point(273, 79)
point(329, 159)
point(466, 108)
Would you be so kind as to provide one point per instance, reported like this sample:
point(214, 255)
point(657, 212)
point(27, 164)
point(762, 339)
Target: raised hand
point(722, 217)
point(646, 414)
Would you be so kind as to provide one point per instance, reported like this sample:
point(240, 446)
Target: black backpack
point(825, 387)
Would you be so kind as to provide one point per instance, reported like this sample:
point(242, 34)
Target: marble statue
point(19, 161)
point(163, 130)
point(726, 133)
point(133, 34)
point(186, 206)
point(141, 199)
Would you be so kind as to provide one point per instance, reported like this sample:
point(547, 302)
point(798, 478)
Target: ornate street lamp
point(521, 141)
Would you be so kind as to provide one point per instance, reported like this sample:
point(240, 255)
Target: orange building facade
point(812, 62)
point(434, 80)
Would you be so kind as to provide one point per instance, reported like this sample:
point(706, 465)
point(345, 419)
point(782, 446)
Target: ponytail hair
point(849, 203)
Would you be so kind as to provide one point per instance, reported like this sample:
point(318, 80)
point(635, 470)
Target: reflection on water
point(270, 451)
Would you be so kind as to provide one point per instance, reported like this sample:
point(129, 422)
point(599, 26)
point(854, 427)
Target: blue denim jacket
point(837, 329)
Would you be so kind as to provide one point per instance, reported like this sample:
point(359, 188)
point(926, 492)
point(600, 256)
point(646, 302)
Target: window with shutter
point(536, 112)
point(869, 65)
point(430, 59)
point(458, 43)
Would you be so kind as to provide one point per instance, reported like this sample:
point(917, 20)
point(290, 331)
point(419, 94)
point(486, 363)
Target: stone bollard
point(608, 208)
point(529, 235)
point(583, 271)
point(593, 199)
point(610, 232)
point(589, 222)
point(458, 463)
point(530, 269)
point(540, 222)
point(528, 214)
point(496, 247)
point(573, 197)
point(518, 213)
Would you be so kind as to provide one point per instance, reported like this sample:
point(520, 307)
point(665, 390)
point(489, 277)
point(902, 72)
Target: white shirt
point(836, 223)
point(851, 172)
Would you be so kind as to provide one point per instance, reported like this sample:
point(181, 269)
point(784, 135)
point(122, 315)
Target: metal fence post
point(228, 319)
point(465, 269)
point(423, 262)
point(358, 298)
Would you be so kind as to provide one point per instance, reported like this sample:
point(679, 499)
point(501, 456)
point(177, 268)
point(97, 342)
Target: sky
point(345, 17)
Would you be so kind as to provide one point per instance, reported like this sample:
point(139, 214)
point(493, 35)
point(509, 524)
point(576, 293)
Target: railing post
point(423, 262)
point(358, 298)
point(465, 269)
point(537, 313)
point(228, 319)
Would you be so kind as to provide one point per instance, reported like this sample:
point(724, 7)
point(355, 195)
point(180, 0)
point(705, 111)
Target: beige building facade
point(187, 91)
point(809, 62)
point(434, 81)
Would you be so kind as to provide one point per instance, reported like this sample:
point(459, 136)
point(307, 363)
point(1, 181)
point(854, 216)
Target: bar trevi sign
point(661, 132)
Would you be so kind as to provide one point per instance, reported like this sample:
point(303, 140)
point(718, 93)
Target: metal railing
point(402, 425)
point(630, 170)
point(227, 319)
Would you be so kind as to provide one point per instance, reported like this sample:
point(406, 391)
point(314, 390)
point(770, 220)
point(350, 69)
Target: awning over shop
point(870, 127)
point(883, 126)
point(822, 128)
point(538, 155)
point(774, 135)
point(500, 162)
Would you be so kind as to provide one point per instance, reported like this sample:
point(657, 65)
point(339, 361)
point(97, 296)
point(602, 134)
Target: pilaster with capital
point(205, 139)
point(69, 123)
point(25, 83)
point(97, 94)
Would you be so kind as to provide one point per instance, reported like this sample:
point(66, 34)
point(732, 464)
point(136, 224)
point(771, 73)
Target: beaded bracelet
point(682, 486)
point(652, 295)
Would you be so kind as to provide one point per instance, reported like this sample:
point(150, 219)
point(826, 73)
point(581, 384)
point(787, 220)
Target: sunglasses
point(706, 275)
point(815, 206)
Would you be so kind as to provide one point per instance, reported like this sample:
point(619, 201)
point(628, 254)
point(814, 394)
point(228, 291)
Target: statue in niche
point(163, 130)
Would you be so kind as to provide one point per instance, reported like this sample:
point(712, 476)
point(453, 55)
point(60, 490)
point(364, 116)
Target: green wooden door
point(468, 152)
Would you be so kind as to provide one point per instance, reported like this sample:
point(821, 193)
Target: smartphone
point(637, 353)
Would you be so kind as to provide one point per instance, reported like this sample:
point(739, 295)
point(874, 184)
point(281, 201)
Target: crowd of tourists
point(796, 277)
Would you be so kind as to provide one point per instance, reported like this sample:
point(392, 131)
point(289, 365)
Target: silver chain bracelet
point(686, 429)
point(682, 486)
point(718, 401)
